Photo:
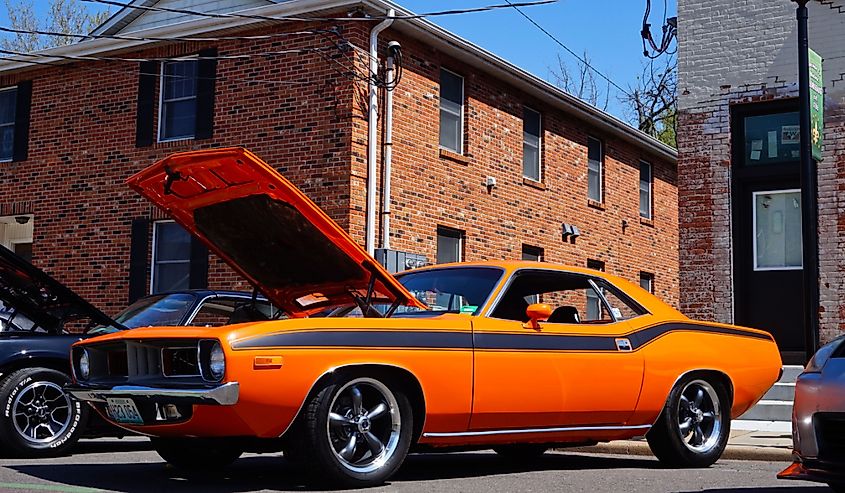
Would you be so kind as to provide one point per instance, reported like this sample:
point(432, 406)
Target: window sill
point(454, 156)
point(647, 222)
point(534, 183)
point(596, 204)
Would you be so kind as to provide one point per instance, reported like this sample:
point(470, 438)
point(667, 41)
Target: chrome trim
point(603, 299)
point(224, 395)
point(534, 430)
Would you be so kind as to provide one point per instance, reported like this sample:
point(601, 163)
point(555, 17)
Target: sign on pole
point(816, 105)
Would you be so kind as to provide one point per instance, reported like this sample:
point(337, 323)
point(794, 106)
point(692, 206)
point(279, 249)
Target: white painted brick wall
point(752, 42)
point(735, 51)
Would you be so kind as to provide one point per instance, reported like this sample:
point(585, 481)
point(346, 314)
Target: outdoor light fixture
point(570, 230)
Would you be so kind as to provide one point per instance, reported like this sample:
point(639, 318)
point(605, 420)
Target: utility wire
point(185, 58)
point(610, 81)
point(319, 19)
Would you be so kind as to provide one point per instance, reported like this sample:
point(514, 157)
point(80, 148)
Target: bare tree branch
point(581, 82)
point(652, 103)
point(65, 16)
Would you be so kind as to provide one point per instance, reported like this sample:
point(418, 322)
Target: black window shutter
point(20, 149)
point(199, 265)
point(146, 103)
point(138, 259)
point(206, 78)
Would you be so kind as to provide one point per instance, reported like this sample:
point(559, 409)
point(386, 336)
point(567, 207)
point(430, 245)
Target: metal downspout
point(390, 75)
point(372, 128)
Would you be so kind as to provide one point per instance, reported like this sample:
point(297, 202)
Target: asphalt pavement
point(129, 465)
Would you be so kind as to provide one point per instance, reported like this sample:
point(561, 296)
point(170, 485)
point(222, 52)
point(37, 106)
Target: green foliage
point(63, 16)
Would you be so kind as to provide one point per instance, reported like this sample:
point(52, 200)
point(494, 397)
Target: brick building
point(739, 186)
point(572, 184)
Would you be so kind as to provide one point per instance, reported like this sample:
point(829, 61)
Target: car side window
point(574, 298)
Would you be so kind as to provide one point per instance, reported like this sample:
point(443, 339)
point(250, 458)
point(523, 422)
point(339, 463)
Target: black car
point(40, 319)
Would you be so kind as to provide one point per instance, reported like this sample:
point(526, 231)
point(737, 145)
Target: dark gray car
point(818, 419)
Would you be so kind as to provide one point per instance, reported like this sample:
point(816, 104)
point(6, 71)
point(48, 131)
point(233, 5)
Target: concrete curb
point(732, 452)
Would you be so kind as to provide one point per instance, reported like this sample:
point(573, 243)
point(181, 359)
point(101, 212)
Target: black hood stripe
point(480, 340)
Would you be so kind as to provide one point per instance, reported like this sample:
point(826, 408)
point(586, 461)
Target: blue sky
point(607, 29)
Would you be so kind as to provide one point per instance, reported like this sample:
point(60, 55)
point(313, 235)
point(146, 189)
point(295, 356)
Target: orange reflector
point(268, 362)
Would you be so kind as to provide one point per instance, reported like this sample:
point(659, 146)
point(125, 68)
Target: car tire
point(196, 454)
point(357, 431)
point(37, 417)
point(694, 425)
point(521, 451)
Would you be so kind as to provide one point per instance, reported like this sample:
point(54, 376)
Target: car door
point(574, 370)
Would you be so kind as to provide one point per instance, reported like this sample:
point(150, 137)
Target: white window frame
point(650, 215)
point(153, 260)
point(601, 168)
point(754, 230)
point(161, 102)
point(13, 124)
point(463, 109)
point(539, 143)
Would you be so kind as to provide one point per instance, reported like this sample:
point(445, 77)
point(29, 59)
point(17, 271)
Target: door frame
point(744, 177)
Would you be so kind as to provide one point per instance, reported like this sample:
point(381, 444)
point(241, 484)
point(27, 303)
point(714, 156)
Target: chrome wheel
point(41, 412)
point(364, 425)
point(699, 417)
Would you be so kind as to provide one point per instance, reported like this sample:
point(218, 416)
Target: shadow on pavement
point(789, 489)
point(117, 446)
point(273, 472)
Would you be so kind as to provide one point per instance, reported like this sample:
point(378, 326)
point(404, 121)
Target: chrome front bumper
point(223, 395)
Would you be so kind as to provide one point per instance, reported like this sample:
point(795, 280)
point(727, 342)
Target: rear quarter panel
point(751, 361)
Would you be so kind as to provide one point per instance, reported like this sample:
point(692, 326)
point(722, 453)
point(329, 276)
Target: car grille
point(140, 360)
point(830, 435)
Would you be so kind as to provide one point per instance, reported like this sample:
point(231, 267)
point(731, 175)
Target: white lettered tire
point(38, 418)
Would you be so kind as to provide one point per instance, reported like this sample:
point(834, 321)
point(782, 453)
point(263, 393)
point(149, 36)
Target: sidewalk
point(750, 440)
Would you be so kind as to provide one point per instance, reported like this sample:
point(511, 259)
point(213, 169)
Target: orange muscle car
point(514, 356)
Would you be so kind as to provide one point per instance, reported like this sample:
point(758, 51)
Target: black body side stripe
point(530, 341)
point(373, 338)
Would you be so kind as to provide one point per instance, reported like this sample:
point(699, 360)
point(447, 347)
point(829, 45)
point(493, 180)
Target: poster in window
point(790, 134)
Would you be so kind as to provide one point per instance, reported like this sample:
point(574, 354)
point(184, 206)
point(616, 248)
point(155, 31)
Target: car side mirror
point(536, 313)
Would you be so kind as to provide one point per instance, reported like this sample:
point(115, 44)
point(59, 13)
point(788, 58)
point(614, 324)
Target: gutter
point(372, 134)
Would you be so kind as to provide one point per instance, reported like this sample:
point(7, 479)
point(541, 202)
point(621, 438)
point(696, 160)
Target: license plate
point(124, 411)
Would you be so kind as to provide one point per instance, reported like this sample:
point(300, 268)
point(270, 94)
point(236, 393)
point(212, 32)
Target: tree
point(581, 82)
point(63, 16)
point(653, 102)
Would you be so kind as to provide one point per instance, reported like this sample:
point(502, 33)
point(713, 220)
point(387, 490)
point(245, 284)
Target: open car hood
point(267, 230)
point(26, 291)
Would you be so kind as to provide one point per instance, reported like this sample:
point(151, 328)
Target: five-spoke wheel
point(357, 431)
point(39, 418)
point(693, 429)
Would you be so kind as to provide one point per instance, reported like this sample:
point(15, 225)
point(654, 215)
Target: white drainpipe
point(372, 144)
point(390, 75)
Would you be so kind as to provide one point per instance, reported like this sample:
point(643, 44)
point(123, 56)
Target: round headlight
point(217, 361)
point(84, 365)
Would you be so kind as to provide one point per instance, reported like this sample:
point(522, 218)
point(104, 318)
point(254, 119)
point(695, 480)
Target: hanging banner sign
point(816, 105)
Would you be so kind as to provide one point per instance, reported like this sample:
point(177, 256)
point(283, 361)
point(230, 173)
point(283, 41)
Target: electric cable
point(670, 32)
point(562, 45)
point(123, 37)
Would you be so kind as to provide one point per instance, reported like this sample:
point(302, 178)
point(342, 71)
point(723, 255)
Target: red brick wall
point(431, 190)
point(82, 148)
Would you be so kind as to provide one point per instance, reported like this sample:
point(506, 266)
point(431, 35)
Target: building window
point(450, 245)
point(771, 139)
point(451, 111)
point(645, 190)
point(531, 144)
point(532, 253)
point(595, 169)
point(178, 108)
point(171, 269)
point(8, 109)
point(777, 230)
point(594, 311)
point(647, 281)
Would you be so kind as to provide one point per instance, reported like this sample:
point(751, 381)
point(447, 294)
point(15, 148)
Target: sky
point(609, 31)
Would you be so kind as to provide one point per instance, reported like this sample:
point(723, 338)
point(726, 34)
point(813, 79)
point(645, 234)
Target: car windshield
point(157, 311)
point(453, 289)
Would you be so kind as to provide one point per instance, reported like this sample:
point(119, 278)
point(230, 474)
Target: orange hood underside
point(260, 224)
